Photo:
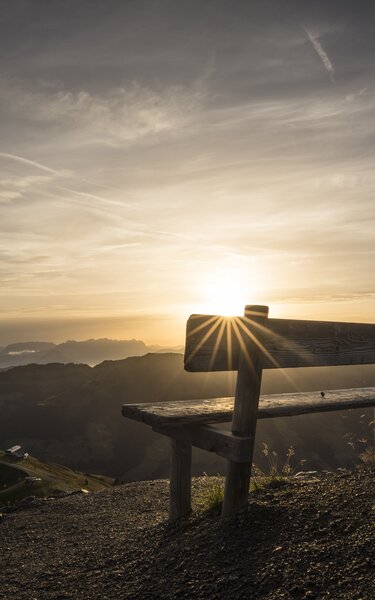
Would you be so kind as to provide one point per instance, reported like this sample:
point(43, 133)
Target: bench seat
point(220, 410)
point(190, 421)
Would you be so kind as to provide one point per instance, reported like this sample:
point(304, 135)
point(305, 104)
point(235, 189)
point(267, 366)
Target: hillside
point(71, 414)
point(31, 477)
point(308, 539)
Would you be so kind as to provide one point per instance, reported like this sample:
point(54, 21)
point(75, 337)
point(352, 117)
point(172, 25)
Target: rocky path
point(307, 539)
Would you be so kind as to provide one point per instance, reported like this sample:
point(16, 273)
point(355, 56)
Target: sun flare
point(226, 293)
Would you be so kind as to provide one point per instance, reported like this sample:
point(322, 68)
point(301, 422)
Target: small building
point(13, 450)
point(17, 452)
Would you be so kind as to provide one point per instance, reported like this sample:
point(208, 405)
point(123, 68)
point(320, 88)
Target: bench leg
point(245, 412)
point(236, 487)
point(180, 481)
point(237, 481)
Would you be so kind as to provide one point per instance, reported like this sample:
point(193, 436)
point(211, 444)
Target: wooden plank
point(180, 480)
point(181, 413)
point(213, 343)
point(205, 437)
point(312, 402)
point(220, 410)
point(245, 414)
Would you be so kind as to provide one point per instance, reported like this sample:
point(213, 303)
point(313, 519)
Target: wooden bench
point(250, 344)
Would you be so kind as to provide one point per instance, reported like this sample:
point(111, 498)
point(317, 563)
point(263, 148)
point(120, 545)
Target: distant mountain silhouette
point(71, 414)
point(25, 347)
point(90, 352)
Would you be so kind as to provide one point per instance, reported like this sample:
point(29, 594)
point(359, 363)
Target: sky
point(160, 158)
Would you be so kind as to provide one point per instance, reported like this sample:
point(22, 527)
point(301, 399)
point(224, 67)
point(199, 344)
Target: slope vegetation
point(31, 477)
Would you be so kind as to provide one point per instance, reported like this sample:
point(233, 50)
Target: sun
point(226, 293)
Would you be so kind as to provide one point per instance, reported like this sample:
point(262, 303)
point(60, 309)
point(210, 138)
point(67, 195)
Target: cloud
point(314, 39)
point(9, 195)
point(25, 182)
point(118, 115)
point(14, 188)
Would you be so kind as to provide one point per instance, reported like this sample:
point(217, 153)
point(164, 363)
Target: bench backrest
point(214, 343)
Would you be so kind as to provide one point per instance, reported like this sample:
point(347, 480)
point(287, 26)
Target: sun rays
point(227, 336)
point(217, 342)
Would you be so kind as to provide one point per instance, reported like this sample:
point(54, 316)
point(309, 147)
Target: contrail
point(26, 161)
point(314, 39)
point(38, 165)
point(93, 197)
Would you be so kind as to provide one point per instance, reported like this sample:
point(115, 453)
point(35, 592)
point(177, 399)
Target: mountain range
point(89, 352)
point(71, 414)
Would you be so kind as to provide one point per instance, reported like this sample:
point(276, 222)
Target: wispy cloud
point(26, 161)
point(13, 188)
point(314, 39)
point(119, 115)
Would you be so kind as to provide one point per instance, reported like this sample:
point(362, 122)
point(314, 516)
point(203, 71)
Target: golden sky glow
point(156, 162)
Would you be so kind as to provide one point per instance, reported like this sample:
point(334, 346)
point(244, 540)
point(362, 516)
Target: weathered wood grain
point(206, 437)
point(213, 343)
point(184, 413)
point(220, 410)
point(245, 414)
point(180, 479)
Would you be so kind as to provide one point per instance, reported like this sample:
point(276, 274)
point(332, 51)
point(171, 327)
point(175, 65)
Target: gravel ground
point(308, 539)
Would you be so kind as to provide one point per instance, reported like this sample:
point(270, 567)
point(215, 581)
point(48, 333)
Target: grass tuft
point(363, 447)
point(277, 472)
point(212, 494)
